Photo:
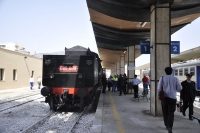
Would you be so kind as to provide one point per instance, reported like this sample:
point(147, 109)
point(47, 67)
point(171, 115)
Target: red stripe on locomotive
point(70, 90)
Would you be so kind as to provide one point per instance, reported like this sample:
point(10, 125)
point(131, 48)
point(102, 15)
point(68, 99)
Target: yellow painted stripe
point(119, 123)
point(196, 112)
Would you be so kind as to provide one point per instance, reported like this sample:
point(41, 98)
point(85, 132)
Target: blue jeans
point(114, 86)
point(31, 85)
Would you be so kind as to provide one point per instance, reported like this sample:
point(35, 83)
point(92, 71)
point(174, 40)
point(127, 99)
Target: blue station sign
point(145, 47)
point(175, 47)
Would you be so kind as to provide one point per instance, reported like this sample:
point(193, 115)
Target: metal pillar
point(160, 51)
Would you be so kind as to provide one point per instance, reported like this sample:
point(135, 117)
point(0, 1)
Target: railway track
point(40, 122)
point(19, 104)
point(77, 120)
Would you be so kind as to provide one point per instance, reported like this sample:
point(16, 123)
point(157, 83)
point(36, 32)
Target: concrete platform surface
point(124, 114)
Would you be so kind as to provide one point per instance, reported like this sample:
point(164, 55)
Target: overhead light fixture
point(142, 24)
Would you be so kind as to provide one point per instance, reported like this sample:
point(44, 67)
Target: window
point(32, 74)
point(192, 70)
point(181, 72)
point(1, 74)
point(14, 74)
point(185, 71)
point(176, 72)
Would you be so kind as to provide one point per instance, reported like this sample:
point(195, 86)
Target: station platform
point(124, 114)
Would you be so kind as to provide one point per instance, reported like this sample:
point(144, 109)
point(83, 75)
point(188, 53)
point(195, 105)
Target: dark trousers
point(135, 87)
point(39, 84)
point(189, 104)
point(109, 85)
point(121, 88)
point(168, 108)
point(104, 88)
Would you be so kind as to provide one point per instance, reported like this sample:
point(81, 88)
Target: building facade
point(14, 47)
point(16, 69)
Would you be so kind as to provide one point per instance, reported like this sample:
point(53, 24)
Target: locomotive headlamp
point(47, 61)
point(80, 76)
point(51, 75)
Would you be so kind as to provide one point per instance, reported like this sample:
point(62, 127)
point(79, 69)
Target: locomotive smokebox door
point(81, 92)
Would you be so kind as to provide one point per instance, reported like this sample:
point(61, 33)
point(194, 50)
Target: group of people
point(170, 85)
point(118, 82)
point(31, 81)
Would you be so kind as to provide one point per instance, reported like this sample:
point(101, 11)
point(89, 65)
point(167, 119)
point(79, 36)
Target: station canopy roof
point(117, 23)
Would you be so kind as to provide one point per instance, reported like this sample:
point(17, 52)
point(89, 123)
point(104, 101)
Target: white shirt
point(171, 85)
point(39, 79)
point(136, 81)
point(31, 80)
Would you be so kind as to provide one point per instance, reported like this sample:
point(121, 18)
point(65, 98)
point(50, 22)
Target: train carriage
point(181, 69)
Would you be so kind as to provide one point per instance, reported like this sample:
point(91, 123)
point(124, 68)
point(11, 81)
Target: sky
point(44, 26)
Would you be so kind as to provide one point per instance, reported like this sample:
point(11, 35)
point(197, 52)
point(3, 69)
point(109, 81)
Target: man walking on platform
point(145, 85)
point(104, 82)
point(188, 94)
point(135, 83)
point(114, 81)
point(39, 80)
point(121, 85)
point(170, 85)
point(31, 80)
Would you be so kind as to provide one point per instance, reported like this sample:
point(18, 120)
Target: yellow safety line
point(119, 123)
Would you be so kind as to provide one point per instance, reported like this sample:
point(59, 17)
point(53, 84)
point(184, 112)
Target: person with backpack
point(169, 85)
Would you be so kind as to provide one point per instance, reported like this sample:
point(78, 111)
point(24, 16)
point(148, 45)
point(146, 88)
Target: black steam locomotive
point(71, 78)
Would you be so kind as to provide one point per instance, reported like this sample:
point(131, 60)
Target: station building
point(16, 68)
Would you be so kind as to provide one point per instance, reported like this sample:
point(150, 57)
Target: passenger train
point(181, 69)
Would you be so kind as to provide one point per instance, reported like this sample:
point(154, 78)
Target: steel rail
point(24, 96)
point(77, 120)
point(19, 104)
point(36, 124)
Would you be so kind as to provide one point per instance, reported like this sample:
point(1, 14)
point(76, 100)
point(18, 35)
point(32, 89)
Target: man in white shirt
point(39, 80)
point(135, 83)
point(31, 80)
point(170, 85)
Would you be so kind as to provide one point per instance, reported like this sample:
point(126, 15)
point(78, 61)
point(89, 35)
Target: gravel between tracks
point(17, 119)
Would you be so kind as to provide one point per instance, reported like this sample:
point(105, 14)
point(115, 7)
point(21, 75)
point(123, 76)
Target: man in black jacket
point(121, 85)
point(188, 94)
point(104, 82)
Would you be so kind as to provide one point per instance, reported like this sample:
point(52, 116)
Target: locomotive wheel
point(81, 103)
point(52, 104)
